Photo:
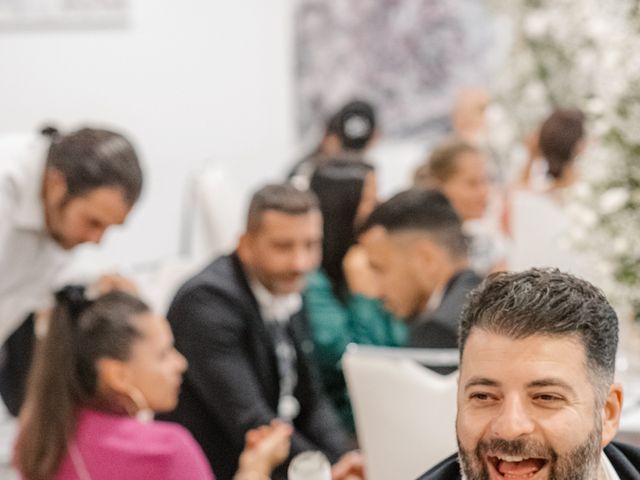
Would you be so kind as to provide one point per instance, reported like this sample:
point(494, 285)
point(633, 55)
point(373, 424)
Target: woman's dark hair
point(64, 376)
point(338, 186)
point(90, 158)
point(559, 135)
point(354, 124)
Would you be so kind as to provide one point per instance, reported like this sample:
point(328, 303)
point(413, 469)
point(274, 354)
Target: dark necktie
point(288, 405)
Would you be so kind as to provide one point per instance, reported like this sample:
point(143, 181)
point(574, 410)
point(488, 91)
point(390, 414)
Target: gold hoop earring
point(143, 413)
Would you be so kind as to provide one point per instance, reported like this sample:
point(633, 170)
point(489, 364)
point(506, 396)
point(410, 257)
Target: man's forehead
point(484, 349)
point(106, 205)
point(274, 221)
point(479, 337)
point(396, 238)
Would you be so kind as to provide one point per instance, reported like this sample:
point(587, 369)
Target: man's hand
point(349, 467)
point(358, 272)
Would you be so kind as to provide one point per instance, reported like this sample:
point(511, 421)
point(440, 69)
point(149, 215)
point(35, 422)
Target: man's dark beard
point(582, 463)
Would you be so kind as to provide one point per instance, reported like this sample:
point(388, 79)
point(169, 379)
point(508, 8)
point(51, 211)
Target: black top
point(625, 460)
point(232, 383)
point(439, 328)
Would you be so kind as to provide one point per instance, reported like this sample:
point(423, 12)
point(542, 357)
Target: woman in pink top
point(104, 367)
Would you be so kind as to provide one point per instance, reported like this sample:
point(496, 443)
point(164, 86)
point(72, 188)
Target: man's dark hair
point(91, 158)
point(550, 303)
point(282, 198)
point(427, 211)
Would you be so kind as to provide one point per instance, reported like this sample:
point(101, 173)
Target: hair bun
point(74, 298)
point(357, 126)
point(50, 131)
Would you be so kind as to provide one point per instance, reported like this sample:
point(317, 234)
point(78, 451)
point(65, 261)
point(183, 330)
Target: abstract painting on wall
point(19, 14)
point(407, 57)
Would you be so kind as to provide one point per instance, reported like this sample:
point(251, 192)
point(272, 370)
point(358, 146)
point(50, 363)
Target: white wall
point(187, 80)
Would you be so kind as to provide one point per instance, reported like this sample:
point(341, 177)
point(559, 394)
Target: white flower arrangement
point(583, 53)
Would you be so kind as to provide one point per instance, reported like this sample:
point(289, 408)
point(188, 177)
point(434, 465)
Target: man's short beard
point(581, 463)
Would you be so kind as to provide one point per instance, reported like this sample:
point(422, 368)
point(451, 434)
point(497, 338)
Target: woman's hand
point(265, 448)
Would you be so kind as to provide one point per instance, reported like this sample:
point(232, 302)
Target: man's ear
point(55, 186)
point(426, 252)
point(424, 262)
point(114, 375)
point(244, 248)
point(611, 413)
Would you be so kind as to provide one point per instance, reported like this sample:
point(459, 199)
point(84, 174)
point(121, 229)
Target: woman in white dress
point(537, 217)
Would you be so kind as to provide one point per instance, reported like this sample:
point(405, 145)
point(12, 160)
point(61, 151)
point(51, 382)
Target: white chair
point(404, 412)
point(213, 213)
point(8, 431)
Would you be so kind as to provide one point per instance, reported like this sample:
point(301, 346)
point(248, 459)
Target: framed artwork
point(407, 57)
point(17, 14)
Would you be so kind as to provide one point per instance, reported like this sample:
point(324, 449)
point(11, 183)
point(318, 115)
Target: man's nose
point(513, 420)
point(302, 260)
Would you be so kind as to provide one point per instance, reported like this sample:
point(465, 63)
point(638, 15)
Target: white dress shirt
point(30, 260)
point(607, 470)
point(275, 308)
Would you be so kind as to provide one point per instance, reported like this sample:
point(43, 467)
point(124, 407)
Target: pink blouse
point(117, 447)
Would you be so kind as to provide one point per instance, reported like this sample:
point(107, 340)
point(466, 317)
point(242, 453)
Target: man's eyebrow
point(551, 382)
point(481, 381)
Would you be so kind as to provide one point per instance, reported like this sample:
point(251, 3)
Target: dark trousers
point(15, 361)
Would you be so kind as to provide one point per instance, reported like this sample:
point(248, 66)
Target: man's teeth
point(510, 459)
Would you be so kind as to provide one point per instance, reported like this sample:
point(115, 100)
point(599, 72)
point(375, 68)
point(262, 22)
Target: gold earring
point(143, 413)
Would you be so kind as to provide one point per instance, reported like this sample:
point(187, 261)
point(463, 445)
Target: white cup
point(311, 465)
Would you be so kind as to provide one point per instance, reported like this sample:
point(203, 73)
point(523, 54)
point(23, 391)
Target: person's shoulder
point(468, 279)
point(173, 435)
point(183, 456)
point(157, 438)
point(161, 449)
point(22, 158)
point(448, 469)
point(222, 276)
point(624, 458)
point(318, 280)
point(130, 433)
point(455, 295)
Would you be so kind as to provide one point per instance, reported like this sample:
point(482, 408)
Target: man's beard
point(581, 463)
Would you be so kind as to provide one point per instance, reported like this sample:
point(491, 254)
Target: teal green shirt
point(335, 324)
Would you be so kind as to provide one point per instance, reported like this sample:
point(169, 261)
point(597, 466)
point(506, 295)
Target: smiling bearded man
point(536, 398)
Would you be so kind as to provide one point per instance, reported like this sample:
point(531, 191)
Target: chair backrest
point(404, 412)
point(213, 214)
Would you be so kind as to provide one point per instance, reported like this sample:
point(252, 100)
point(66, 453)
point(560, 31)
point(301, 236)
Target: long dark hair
point(338, 186)
point(64, 376)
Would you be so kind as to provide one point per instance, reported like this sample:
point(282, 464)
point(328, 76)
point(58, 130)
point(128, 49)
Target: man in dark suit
point(536, 397)
point(415, 243)
point(240, 325)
